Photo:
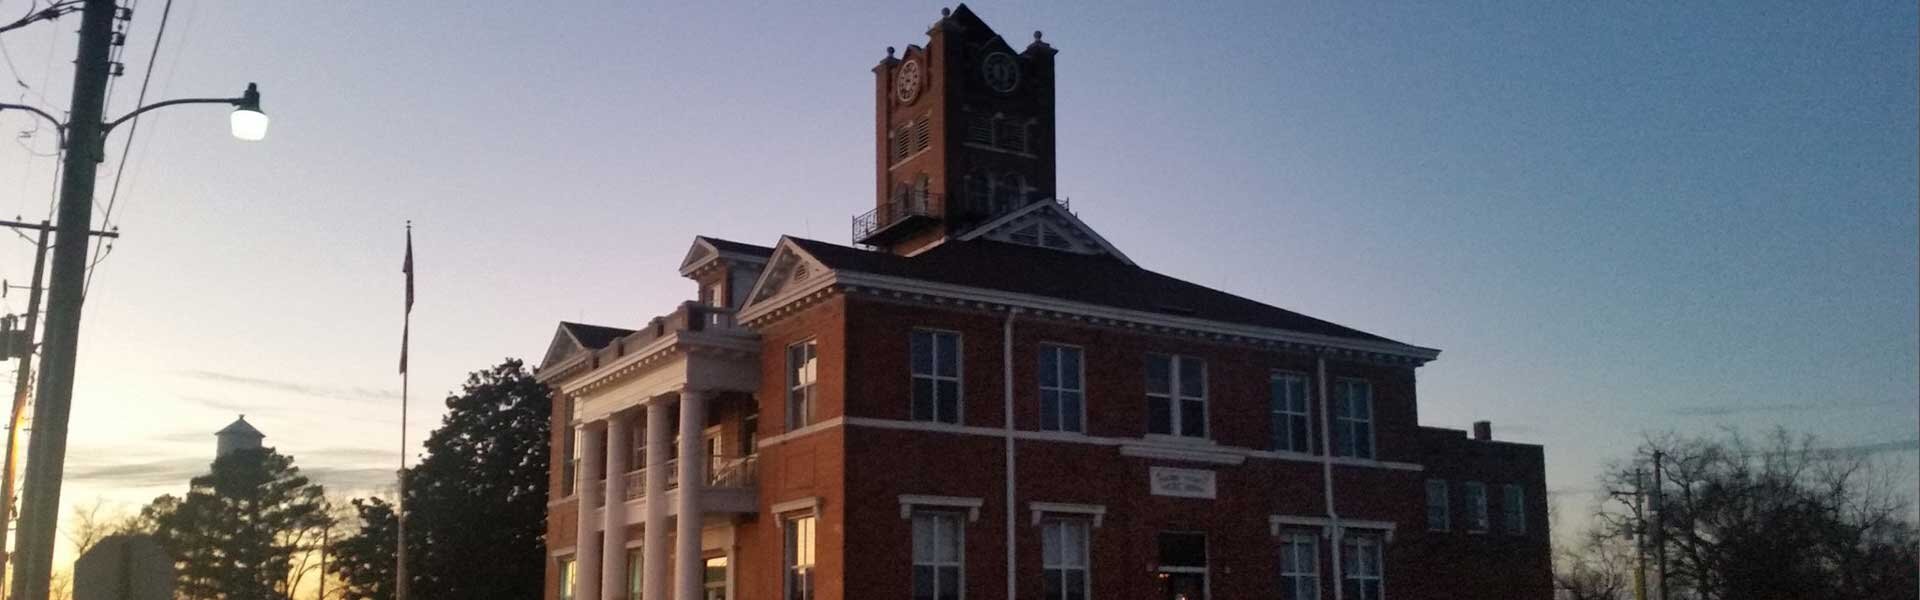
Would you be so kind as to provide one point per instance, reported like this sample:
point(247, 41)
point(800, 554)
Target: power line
point(120, 170)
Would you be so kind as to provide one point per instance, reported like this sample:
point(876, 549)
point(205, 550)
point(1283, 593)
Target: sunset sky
point(1612, 219)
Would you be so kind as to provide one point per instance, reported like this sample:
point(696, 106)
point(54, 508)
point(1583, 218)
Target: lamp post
point(84, 137)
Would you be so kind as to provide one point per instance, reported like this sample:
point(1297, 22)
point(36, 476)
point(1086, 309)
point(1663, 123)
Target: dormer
point(723, 270)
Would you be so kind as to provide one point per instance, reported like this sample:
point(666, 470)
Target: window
point(1476, 499)
point(937, 559)
point(569, 439)
point(710, 295)
point(901, 143)
point(922, 133)
point(1360, 563)
point(636, 565)
point(1009, 193)
point(1063, 548)
point(1183, 565)
point(749, 435)
point(1011, 135)
point(1299, 567)
point(1353, 417)
point(980, 129)
point(1176, 395)
point(1437, 517)
point(1513, 507)
point(936, 376)
point(799, 558)
point(978, 191)
point(1292, 430)
point(803, 369)
point(1062, 391)
point(567, 576)
point(715, 578)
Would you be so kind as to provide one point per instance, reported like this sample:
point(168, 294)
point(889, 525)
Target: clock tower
point(963, 133)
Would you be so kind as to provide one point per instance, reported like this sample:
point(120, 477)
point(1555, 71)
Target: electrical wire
point(101, 247)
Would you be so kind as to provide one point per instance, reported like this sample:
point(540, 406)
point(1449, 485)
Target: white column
point(654, 538)
point(690, 574)
point(613, 573)
point(586, 552)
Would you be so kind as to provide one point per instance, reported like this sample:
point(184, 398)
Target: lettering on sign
point(1183, 483)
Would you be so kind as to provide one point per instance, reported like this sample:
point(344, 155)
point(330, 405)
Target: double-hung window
point(1360, 563)
point(1176, 395)
point(1299, 567)
point(1475, 494)
point(1287, 406)
point(1353, 417)
point(936, 376)
point(567, 576)
point(1062, 389)
point(1064, 559)
point(938, 565)
point(799, 558)
point(1513, 506)
point(803, 369)
point(1438, 518)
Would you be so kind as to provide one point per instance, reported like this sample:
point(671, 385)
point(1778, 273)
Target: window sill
point(1186, 452)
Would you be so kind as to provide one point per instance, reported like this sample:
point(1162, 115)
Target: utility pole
point(1659, 523)
point(47, 452)
point(22, 382)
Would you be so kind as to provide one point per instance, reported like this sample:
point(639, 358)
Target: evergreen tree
point(235, 534)
point(476, 504)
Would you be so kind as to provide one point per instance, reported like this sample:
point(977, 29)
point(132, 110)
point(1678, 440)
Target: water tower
point(239, 436)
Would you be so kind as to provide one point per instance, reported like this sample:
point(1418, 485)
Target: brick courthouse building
point(985, 399)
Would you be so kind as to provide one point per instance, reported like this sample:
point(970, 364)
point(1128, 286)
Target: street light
point(249, 123)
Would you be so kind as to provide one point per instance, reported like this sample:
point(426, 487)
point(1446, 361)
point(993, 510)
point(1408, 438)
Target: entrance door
point(1184, 586)
point(716, 578)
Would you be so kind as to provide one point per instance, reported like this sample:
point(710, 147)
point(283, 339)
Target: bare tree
point(1600, 567)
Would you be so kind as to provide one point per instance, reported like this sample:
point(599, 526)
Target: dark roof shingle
point(738, 247)
point(594, 337)
point(1090, 279)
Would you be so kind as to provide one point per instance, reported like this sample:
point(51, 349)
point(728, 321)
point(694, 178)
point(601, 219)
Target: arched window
point(1009, 193)
point(1011, 134)
point(921, 188)
point(977, 190)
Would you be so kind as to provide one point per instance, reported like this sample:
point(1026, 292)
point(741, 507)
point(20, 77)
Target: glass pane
point(949, 583)
point(1193, 377)
point(1183, 549)
point(1159, 415)
point(947, 360)
point(923, 582)
point(1159, 374)
point(1075, 538)
point(949, 547)
point(922, 353)
point(1076, 584)
point(1049, 410)
point(1055, 584)
point(1070, 412)
point(923, 539)
point(1193, 418)
point(1049, 366)
point(1070, 368)
point(1301, 432)
point(1050, 541)
point(1363, 403)
point(922, 399)
point(949, 405)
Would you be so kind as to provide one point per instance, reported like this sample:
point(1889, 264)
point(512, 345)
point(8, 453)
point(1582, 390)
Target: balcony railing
point(722, 472)
point(898, 210)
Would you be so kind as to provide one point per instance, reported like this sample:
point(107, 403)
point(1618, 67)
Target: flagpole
point(400, 505)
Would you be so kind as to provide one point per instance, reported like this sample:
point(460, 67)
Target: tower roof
point(241, 427)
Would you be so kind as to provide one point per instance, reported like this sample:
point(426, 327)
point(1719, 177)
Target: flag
point(407, 326)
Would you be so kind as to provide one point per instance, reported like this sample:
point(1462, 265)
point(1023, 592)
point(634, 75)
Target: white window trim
point(1372, 420)
point(1096, 512)
point(1174, 377)
point(959, 377)
point(1277, 523)
point(1446, 504)
point(787, 399)
point(809, 504)
point(1307, 392)
point(1086, 551)
point(961, 545)
point(908, 502)
point(1314, 548)
point(1080, 378)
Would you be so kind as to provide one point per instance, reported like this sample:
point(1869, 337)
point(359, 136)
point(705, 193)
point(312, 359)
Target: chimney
point(1483, 430)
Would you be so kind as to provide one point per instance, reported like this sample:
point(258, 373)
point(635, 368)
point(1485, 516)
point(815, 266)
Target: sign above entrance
point(1183, 483)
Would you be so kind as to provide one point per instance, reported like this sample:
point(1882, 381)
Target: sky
point(1614, 219)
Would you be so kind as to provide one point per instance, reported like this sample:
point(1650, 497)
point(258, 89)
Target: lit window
point(803, 369)
point(1437, 517)
point(1292, 430)
point(1360, 563)
point(1513, 506)
point(936, 376)
point(636, 563)
point(1299, 567)
point(1062, 393)
point(937, 559)
point(1353, 417)
point(1063, 552)
point(799, 558)
point(567, 577)
point(1475, 494)
point(1176, 395)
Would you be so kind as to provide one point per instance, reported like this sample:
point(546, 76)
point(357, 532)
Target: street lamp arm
point(108, 128)
point(43, 114)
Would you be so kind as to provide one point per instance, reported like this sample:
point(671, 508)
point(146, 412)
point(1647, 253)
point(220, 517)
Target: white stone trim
point(1039, 206)
point(1211, 453)
point(775, 440)
point(1277, 522)
point(1097, 511)
point(809, 503)
point(1169, 452)
point(562, 552)
point(909, 501)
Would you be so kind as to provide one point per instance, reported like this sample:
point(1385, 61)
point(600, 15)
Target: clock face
point(907, 80)
point(1000, 71)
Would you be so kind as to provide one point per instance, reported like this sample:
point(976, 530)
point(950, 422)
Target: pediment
point(788, 268)
point(1047, 224)
point(563, 346)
